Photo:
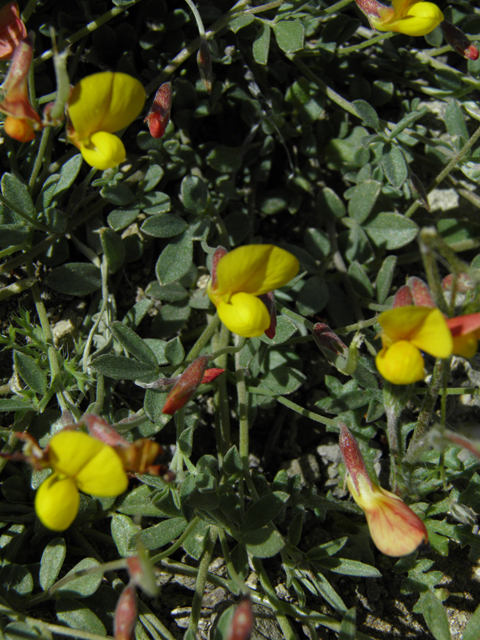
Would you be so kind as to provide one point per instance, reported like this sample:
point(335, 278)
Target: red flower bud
point(125, 614)
point(403, 297)
point(204, 61)
point(159, 115)
point(459, 41)
point(186, 386)
point(464, 283)
point(420, 293)
point(242, 622)
point(211, 374)
point(327, 341)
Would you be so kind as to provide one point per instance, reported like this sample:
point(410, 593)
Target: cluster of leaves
point(317, 137)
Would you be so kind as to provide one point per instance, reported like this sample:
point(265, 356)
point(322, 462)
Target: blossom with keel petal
point(406, 332)
point(410, 17)
point(79, 463)
point(240, 277)
point(99, 106)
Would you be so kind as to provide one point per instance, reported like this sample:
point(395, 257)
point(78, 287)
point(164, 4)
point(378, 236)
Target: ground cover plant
point(239, 286)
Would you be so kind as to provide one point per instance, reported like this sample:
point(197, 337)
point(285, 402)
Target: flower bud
point(242, 622)
point(395, 529)
point(186, 386)
point(464, 283)
point(459, 41)
point(327, 341)
point(204, 61)
point(125, 614)
point(403, 297)
point(159, 115)
point(420, 293)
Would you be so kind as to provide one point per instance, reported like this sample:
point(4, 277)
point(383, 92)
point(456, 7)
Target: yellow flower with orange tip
point(395, 529)
point(410, 17)
point(79, 462)
point(99, 106)
point(240, 277)
point(406, 332)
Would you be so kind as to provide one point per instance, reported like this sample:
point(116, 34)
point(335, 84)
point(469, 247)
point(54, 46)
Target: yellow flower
point(240, 277)
point(406, 332)
point(100, 105)
point(79, 462)
point(395, 529)
point(411, 17)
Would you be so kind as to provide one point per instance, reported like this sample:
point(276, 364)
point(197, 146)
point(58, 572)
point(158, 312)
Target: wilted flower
point(100, 105)
point(410, 17)
point(465, 332)
point(22, 120)
point(12, 30)
point(79, 462)
point(159, 115)
point(406, 331)
point(240, 277)
point(459, 41)
point(395, 529)
point(241, 626)
point(186, 385)
point(125, 614)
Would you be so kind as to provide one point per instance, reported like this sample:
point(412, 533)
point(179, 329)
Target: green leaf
point(68, 174)
point(261, 44)
point(16, 404)
point(122, 368)
point(51, 563)
point(194, 194)
point(175, 260)
point(16, 579)
point(17, 193)
point(75, 279)
point(367, 113)
point(30, 372)
point(394, 165)
point(241, 22)
point(284, 330)
point(329, 203)
point(194, 544)
point(224, 159)
point(185, 441)
point(455, 121)
point(290, 35)
point(119, 194)
point(263, 543)
point(361, 282)
point(283, 380)
point(164, 225)
point(472, 630)
point(313, 296)
point(78, 616)
point(435, 615)
point(162, 533)
point(260, 513)
point(391, 230)
point(362, 199)
point(21, 631)
point(348, 626)
point(123, 530)
point(119, 219)
point(139, 503)
point(133, 344)
point(174, 352)
point(232, 463)
point(156, 202)
point(85, 585)
point(113, 248)
point(153, 176)
point(385, 278)
point(406, 121)
point(349, 567)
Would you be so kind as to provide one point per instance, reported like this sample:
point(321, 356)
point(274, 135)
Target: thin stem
point(316, 417)
point(336, 7)
point(87, 29)
point(198, 18)
point(222, 413)
point(40, 155)
point(365, 44)
point(242, 397)
point(267, 587)
point(204, 339)
point(201, 581)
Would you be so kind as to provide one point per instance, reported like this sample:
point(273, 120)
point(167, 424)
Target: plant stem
point(198, 18)
point(267, 587)
point(201, 581)
point(316, 417)
point(40, 155)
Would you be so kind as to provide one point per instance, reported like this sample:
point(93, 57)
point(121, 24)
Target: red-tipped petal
point(462, 325)
point(403, 297)
point(101, 430)
point(159, 115)
point(211, 374)
point(125, 614)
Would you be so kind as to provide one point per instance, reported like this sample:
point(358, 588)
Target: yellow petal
point(105, 101)
point(465, 346)
point(69, 451)
point(395, 529)
point(245, 315)
point(424, 327)
point(103, 475)
point(255, 269)
point(56, 502)
point(401, 363)
point(103, 150)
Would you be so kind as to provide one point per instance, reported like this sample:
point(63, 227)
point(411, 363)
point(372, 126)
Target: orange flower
point(22, 120)
point(395, 529)
point(12, 30)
